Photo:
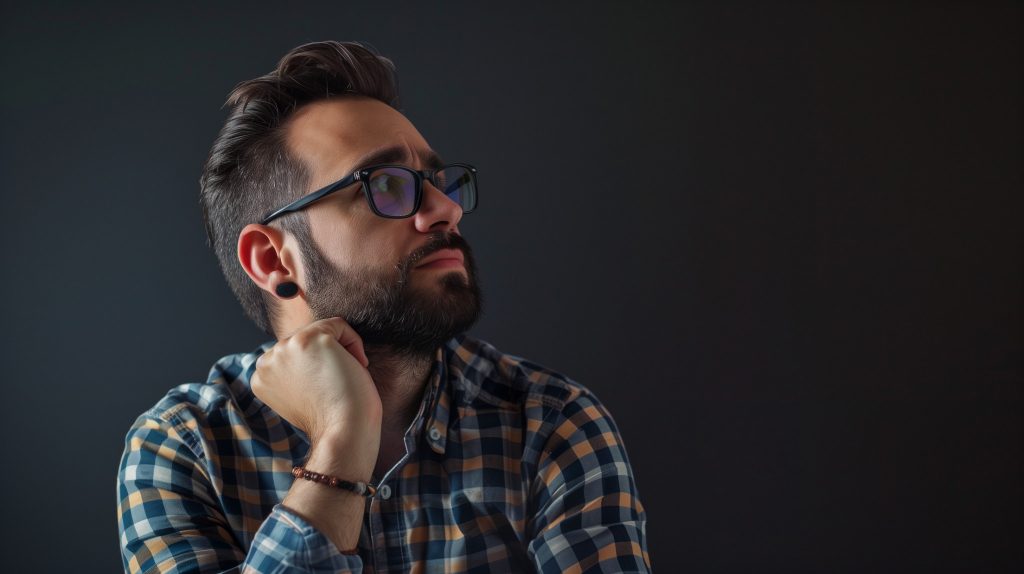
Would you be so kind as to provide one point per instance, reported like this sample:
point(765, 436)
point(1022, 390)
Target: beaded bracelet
point(360, 488)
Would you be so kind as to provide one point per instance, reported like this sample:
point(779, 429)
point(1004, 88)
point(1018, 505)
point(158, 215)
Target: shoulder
point(483, 375)
point(224, 395)
point(565, 427)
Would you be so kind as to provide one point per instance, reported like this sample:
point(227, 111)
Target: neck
point(401, 381)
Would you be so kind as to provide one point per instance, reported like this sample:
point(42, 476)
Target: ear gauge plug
point(286, 290)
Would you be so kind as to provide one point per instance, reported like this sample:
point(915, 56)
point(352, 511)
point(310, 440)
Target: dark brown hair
point(251, 171)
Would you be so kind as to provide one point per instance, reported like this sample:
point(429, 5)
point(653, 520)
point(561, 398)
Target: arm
point(170, 521)
point(170, 518)
point(589, 517)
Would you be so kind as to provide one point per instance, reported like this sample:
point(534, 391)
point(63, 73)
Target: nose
point(437, 211)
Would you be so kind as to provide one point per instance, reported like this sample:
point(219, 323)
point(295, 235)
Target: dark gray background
point(781, 242)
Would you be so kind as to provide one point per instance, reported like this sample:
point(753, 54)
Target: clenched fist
point(317, 379)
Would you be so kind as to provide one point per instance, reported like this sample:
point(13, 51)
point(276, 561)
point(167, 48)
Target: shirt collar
point(454, 386)
point(435, 432)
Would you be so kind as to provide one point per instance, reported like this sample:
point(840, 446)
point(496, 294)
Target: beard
point(383, 306)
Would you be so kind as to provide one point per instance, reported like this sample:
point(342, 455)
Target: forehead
point(332, 136)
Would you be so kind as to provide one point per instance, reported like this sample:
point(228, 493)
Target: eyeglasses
point(395, 191)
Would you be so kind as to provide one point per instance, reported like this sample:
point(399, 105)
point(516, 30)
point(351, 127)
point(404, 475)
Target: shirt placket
point(378, 544)
point(385, 500)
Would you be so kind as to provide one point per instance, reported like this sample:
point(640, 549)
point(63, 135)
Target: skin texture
point(354, 402)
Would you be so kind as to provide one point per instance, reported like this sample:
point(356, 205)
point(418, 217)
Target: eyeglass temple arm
point(307, 199)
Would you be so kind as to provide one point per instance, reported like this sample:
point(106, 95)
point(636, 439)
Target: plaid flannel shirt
point(509, 467)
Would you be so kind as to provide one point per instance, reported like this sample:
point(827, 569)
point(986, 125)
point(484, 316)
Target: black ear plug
point(286, 290)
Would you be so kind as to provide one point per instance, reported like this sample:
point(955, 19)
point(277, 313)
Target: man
point(373, 435)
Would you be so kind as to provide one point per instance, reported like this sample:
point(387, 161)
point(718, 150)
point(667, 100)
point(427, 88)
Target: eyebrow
point(397, 154)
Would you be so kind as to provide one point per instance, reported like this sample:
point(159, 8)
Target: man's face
point(368, 269)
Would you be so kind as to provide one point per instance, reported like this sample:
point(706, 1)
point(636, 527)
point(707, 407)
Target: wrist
point(344, 455)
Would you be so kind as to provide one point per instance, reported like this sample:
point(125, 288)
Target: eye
point(386, 184)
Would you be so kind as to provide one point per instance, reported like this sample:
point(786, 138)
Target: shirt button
point(384, 492)
point(434, 434)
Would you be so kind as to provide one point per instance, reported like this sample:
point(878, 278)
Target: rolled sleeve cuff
point(288, 543)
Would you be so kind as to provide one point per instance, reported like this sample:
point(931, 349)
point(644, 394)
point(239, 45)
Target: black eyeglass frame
point(363, 176)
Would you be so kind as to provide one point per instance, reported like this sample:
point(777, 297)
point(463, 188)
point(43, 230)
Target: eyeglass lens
point(393, 189)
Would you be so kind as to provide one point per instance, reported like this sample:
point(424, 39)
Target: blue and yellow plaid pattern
point(511, 467)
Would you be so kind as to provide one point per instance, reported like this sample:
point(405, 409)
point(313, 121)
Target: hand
point(317, 380)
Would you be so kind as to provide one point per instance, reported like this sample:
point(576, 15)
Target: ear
point(266, 258)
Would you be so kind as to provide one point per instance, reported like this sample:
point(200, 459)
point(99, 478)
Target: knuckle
point(322, 339)
point(298, 341)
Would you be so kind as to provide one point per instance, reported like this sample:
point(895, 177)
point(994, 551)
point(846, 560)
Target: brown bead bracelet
point(360, 488)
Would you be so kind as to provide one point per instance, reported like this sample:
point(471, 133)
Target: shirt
point(509, 467)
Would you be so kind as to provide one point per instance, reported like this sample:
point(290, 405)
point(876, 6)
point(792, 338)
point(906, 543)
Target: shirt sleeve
point(589, 516)
point(169, 519)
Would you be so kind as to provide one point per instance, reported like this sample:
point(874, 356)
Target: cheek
point(375, 255)
point(333, 224)
point(357, 239)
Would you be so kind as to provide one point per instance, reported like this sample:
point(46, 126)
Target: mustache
point(437, 241)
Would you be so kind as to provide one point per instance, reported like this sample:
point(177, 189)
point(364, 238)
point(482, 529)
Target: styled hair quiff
point(250, 169)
